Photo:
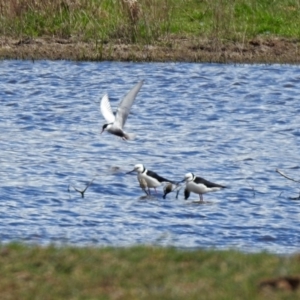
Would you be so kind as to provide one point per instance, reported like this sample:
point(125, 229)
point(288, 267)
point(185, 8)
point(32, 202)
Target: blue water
point(231, 124)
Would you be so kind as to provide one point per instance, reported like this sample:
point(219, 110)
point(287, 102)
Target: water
point(231, 124)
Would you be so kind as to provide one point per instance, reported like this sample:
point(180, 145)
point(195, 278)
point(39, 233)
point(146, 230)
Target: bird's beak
point(182, 180)
point(101, 131)
point(130, 171)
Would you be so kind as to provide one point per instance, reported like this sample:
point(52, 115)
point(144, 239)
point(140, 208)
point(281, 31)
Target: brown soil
point(259, 50)
point(289, 283)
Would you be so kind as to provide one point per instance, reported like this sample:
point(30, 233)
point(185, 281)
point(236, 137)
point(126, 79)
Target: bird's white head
point(188, 177)
point(139, 168)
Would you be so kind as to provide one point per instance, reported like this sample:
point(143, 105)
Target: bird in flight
point(115, 123)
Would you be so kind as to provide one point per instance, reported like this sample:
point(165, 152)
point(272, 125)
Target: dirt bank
point(259, 50)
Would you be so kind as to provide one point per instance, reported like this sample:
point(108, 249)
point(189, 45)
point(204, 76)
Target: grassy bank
point(146, 21)
point(151, 30)
point(142, 273)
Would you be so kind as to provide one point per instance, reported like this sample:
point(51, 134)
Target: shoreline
point(175, 49)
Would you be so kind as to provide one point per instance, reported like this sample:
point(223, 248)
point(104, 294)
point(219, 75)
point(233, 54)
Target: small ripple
point(218, 121)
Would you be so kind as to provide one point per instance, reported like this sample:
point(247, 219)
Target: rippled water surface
point(231, 124)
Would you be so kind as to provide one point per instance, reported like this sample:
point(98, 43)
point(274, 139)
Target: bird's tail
point(129, 136)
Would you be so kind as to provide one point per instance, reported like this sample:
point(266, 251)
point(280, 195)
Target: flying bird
point(148, 179)
point(199, 186)
point(115, 123)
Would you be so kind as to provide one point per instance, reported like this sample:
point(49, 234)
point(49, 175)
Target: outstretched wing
point(106, 109)
point(126, 103)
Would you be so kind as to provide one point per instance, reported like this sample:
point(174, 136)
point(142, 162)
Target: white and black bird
point(199, 186)
point(171, 187)
point(115, 123)
point(148, 179)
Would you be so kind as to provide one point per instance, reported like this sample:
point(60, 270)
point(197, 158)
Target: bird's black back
point(208, 183)
point(157, 177)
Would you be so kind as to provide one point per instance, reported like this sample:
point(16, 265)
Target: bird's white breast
point(151, 182)
point(200, 188)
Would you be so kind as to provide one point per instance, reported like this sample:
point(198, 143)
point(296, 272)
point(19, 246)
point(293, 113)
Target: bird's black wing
point(159, 178)
point(208, 183)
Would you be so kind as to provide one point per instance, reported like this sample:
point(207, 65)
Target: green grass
point(32, 272)
point(153, 20)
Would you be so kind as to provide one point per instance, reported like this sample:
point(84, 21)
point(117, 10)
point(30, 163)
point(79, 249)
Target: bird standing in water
point(148, 179)
point(199, 186)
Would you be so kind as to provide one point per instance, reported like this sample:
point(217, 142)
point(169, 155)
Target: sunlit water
point(234, 125)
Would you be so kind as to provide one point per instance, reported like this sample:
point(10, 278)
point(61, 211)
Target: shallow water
point(231, 124)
